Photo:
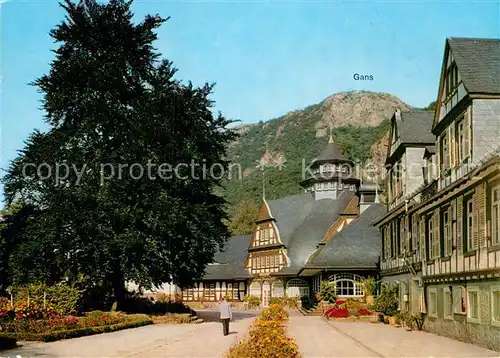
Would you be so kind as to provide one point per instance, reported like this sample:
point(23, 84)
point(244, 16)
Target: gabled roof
point(415, 127)
point(478, 63)
point(303, 241)
point(429, 150)
point(357, 245)
point(229, 263)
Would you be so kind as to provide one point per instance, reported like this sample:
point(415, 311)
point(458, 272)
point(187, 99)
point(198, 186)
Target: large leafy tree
point(115, 109)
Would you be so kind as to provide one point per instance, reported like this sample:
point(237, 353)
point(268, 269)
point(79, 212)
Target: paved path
point(317, 338)
point(186, 340)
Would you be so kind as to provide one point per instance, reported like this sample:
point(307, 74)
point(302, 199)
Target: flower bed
point(349, 308)
point(267, 337)
point(43, 326)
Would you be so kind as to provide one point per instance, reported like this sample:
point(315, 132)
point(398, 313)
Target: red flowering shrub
point(364, 311)
point(336, 312)
point(339, 302)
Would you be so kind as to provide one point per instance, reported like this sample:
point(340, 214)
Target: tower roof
point(333, 152)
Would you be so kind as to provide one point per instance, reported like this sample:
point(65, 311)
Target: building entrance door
point(266, 292)
point(415, 302)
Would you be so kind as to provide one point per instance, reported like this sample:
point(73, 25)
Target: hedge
point(80, 332)
point(7, 342)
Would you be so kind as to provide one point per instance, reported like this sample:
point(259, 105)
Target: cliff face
point(285, 146)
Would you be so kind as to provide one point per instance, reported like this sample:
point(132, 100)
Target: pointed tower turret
point(330, 173)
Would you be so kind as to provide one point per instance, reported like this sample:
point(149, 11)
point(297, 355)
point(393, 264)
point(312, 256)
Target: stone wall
point(483, 334)
point(485, 128)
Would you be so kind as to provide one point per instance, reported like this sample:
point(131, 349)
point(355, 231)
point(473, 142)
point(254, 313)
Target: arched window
point(297, 288)
point(347, 284)
point(255, 289)
point(278, 289)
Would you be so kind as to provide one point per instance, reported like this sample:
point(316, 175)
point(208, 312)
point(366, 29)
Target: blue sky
point(267, 57)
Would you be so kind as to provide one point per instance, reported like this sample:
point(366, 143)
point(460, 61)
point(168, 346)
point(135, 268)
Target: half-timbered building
point(325, 233)
point(452, 227)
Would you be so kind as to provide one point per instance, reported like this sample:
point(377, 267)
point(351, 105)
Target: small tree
point(368, 285)
point(328, 291)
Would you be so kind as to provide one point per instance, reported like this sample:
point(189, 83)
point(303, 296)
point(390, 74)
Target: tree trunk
point(119, 291)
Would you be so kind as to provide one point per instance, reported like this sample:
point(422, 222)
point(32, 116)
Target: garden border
point(75, 333)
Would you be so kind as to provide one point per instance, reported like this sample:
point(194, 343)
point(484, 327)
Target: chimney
point(398, 114)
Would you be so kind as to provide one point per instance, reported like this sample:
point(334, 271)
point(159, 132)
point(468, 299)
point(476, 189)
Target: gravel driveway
point(186, 340)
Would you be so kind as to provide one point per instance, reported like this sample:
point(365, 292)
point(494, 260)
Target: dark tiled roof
point(478, 62)
point(415, 127)
point(332, 152)
point(230, 262)
point(356, 245)
point(305, 224)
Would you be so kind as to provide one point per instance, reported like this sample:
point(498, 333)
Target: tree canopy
point(112, 181)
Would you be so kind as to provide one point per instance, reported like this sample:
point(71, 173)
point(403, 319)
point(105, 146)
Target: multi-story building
point(400, 262)
point(451, 225)
point(325, 233)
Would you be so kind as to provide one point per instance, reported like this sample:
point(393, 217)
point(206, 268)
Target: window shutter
point(467, 132)
point(451, 145)
point(460, 208)
point(475, 226)
point(449, 239)
point(436, 237)
point(414, 232)
point(422, 237)
point(480, 192)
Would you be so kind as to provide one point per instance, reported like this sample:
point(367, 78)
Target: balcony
point(429, 191)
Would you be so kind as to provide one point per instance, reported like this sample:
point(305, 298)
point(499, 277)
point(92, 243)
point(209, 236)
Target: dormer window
point(451, 79)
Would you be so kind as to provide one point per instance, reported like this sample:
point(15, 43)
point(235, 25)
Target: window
point(459, 298)
point(430, 236)
point(495, 215)
point(461, 140)
point(473, 304)
point(297, 288)
point(469, 225)
point(444, 154)
point(432, 302)
point(210, 291)
point(495, 305)
point(229, 292)
point(347, 284)
point(255, 289)
point(448, 304)
point(340, 186)
point(451, 82)
point(236, 294)
point(447, 236)
point(384, 237)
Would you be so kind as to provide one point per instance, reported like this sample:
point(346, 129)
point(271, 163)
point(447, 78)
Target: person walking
point(226, 314)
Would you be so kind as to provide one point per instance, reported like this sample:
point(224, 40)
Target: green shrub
point(327, 291)
point(353, 304)
point(368, 285)
point(266, 337)
point(252, 301)
point(387, 301)
point(418, 320)
point(130, 321)
point(172, 318)
point(138, 304)
point(7, 342)
point(60, 299)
